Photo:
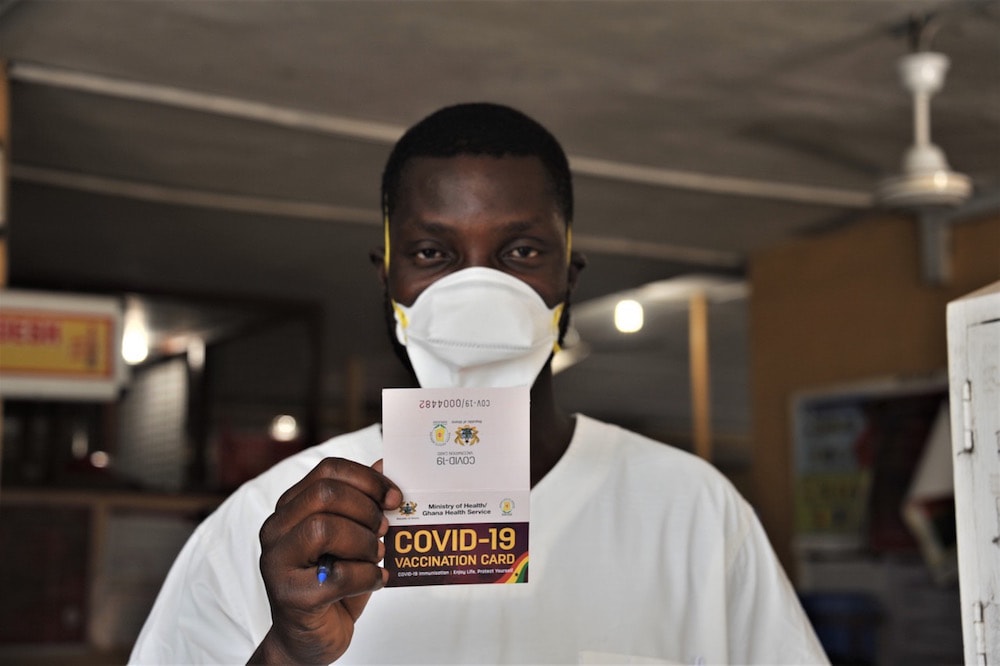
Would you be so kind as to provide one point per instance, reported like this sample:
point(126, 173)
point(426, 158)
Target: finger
point(325, 533)
point(365, 479)
point(349, 579)
point(346, 579)
point(355, 604)
point(292, 577)
point(325, 497)
point(393, 497)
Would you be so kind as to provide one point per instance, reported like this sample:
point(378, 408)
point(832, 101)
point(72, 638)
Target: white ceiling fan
point(926, 179)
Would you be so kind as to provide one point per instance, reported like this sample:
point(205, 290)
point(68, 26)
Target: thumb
point(356, 605)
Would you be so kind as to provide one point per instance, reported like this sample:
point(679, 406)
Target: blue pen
point(323, 567)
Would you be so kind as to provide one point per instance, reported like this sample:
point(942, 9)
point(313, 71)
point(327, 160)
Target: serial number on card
point(454, 403)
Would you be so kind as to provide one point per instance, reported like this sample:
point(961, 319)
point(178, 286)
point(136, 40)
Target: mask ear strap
point(401, 317)
point(557, 313)
point(385, 233)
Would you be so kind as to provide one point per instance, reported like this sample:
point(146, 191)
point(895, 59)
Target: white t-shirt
point(640, 553)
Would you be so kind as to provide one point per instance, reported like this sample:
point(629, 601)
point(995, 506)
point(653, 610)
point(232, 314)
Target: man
point(639, 552)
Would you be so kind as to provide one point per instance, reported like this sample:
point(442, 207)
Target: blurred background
point(199, 180)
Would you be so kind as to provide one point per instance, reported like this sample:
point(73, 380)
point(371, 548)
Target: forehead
point(465, 184)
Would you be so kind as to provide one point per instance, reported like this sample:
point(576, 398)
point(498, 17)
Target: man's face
point(464, 211)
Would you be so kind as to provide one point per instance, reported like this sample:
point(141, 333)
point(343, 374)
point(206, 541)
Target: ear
point(377, 256)
point(577, 262)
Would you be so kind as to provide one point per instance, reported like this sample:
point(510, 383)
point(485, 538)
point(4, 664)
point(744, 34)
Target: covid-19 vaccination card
point(461, 458)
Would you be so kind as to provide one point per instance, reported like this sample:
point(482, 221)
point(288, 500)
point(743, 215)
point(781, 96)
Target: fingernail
point(381, 551)
point(393, 498)
point(383, 526)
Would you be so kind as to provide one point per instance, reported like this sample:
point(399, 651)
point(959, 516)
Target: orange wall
point(846, 306)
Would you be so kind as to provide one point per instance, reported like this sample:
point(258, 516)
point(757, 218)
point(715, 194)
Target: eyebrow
point(434, 227)
point(429, 226)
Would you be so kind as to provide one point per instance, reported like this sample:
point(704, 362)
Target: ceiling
point(232, 150)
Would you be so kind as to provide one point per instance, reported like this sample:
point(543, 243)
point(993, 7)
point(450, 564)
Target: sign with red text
point(59, 346)
point(461, 458)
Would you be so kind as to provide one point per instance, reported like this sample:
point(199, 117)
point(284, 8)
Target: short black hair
point(479, 128)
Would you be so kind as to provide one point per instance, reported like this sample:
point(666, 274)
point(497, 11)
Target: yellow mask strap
point(400, 315)
point(556, 316)
point(385, 233)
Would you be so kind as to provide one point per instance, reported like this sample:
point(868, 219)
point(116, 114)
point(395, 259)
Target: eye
point(524, 252)
point(428, 254)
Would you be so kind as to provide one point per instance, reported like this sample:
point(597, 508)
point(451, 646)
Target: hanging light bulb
point(628, 316)
point(284, 428)
point(135, 340)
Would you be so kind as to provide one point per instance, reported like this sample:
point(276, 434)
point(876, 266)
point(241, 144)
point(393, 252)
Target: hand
point(337, 509)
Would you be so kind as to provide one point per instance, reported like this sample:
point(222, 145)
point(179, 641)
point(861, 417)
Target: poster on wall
point(60, 346)
point(855, 451)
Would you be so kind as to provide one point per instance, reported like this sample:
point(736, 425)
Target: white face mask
point(477, 327)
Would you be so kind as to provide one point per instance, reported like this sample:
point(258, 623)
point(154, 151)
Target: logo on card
point(467, 435)
point(506, 506)
point(408, 509)
point(439, 434)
